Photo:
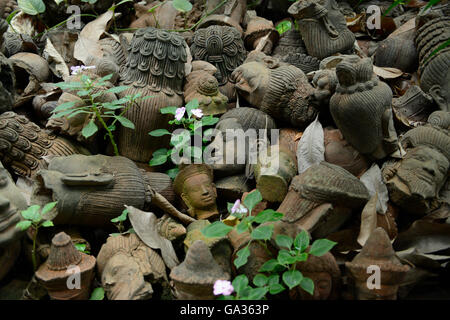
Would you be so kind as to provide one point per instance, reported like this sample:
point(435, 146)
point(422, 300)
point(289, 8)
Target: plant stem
point(111, 137)
point(33, 252)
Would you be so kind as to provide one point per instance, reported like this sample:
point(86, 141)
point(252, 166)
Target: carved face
point(252, 80)
point(322, 286)
point(199, 192)
point(123, 279)
point(11, 203)
point(424, 171)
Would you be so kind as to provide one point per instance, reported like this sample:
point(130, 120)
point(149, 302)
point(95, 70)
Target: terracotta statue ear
point(271, 62)
point(244, 86)
point(435, 93)
point(87, 179)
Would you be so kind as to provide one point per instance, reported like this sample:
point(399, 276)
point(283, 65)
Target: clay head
point(127, 266)
point(11, 204)
point(194, 183)
point(415, 180)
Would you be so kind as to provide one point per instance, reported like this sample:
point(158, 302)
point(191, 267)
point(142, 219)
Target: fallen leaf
point(408, 26)
point(368, 220)
point(387, 73)
point(87, 44)
point(311, 147)
point(373, 181)
point(55, 61)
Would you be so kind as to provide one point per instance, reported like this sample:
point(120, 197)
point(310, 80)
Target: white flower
point(238, 207)
point(197, 112)
point(179, 113)
point(77, 69)
point(223, 287)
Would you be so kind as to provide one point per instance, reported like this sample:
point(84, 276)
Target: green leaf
point(216, 229)
point(47, 224)
point(70, 85)
point(283, 241)
point(32, 213)
point(23, 225)
point(273, 279)
point(209, 121)
point(80, 247)
point(193, 104)
point(106, 78)
point(122, 217)
point(158, 160)
point(172, 173)
point(239, 283)
point(262, 232)
point(308, 285)
point(89, 129)
point(276, 288)
point(242, 226)
point(284, 257)
point(83, 93)
point(242, 257)
point(11, 16)
point(430, 4)
point(268, 215)
point(257, 293)
point(321, 246)
point(159, 132)
point(169, 110)
point(252, 199)
point(64, 106)
point(283, 26)
point(117, 89)
point(269, 266)
point(301, 241)
point(31, 7)
point(125, 122)
point(48, 207)
point(292, 278)
point(260, 280)
point(97, 294)
point(182, 5)
point(160, 152)
point(302, 257)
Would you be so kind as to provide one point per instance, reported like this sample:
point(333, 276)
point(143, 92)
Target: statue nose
point(430, 168)
point(4, 203)
point(205, 191)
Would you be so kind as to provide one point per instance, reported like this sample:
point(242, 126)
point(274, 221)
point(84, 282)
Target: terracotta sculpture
point(8, 257)
point(377, 251)
point(194, 183)
point(223, 47)
point(319, 200)
point(220, 247)
point(65, 260)
point(396, 52)
point(260, 34)
point(341, 153)
point(413, 107)
point(24, 145)
point(234, 121)
point(323, 27)
point(91, 190)
point(440, 119)
point(434, 69)
point(325, 274)
point(414, 181)
point(155, 67)
point(128, 268)
point(231, 14)
point(279, 89)
point(13, 43)
point(194, 278)
point(7, 7)
point(203, 86)
point(361, 108)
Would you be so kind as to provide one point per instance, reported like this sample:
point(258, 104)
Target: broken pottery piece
point(378, 252)
point(412, 107)
point(279, 89)
point(155, 67)
point(361, 108)
point(24, 145)
point(323, 27)
point(414, 181)
point(260, 32)
point(170, 229)
point(194, 183)
point(223, 47)
point(220, 247)
point(65, 260)
point(128, 268)
point(194, 278)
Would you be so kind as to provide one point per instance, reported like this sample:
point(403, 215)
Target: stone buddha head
point(194, 183)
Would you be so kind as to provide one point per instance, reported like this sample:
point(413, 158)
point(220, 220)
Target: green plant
point(89, 90)
point(98, 294)
point(82, 248)
point(193, 121)
point(119, 223)
point(34, 219)
point(281, 271)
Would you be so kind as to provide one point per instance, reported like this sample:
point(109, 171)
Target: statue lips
point(9, 219)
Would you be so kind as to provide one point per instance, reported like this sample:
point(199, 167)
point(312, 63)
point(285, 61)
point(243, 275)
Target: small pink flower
point(77, 69)
point(180, 113)
point(223, 287)
point(238, 207)
point(197, 112)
